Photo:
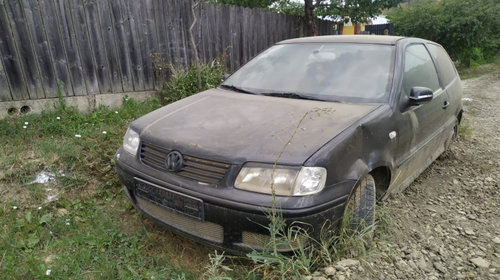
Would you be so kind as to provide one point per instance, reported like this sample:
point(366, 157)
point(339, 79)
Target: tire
point(359, 214)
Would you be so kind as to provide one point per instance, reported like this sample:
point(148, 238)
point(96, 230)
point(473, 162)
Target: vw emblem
point(174, 161)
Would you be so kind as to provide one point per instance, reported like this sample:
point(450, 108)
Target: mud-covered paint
point(237, 128)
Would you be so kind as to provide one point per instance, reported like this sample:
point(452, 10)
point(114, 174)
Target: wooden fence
point(88, 47)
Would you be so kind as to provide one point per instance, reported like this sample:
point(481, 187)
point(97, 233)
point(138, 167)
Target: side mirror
point(420, 95)
point(224, 77)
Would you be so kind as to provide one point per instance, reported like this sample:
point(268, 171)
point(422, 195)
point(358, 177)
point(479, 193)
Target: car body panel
point(239, 128)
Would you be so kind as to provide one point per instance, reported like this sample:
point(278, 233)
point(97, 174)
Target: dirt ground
point(446, 225)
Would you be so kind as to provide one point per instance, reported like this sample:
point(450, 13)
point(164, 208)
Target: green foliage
point(62, 102)
point(468, 29)
point(272, 264)
point(84, 243)
point(288, 7)
point(216, 270)
point(473, 72)
point(358, 10)
point(244, 3)
point(184, 83)
point(477, 57)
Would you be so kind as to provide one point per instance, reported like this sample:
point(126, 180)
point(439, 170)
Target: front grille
point(257, 241)
point(206, 230)
point(197, 169)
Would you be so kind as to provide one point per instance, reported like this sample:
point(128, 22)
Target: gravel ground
point(446, 225)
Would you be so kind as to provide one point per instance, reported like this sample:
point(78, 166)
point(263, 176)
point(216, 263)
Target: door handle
point(446, 104)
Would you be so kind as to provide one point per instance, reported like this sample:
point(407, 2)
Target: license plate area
point(169, 199)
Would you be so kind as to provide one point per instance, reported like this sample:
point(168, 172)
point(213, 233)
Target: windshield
point(325, 71)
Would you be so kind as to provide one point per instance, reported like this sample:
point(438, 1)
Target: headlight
point(131, 141)
point(287, 181)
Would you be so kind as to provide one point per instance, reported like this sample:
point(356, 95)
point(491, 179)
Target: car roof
point(361, 39)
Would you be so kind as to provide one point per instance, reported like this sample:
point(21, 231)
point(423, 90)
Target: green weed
point(215, 269)
point(464, 130)
point(184, 83)
point(477, 70)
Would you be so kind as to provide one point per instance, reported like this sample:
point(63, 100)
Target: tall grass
point(87, 231)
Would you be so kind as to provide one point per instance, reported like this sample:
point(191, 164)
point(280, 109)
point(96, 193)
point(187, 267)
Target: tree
point(245, 3)
point(468, 29)
point(357, 10)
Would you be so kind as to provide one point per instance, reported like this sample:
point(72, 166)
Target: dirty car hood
point(236, 127)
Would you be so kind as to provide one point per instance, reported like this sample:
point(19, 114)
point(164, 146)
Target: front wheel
point(359, 214)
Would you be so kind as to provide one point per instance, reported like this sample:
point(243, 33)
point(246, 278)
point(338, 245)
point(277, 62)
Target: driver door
point(419, 125)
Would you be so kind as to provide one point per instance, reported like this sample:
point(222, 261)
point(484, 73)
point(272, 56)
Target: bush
point(468, 29)
point(184, 83)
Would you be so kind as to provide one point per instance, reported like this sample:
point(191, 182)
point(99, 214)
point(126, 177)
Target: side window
point(419, 70)
point(444, 65)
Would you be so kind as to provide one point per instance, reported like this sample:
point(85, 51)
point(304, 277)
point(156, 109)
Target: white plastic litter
point(104, 132)
point(78, 136)
point(44, 177)
point(50, 198)
point(48, 272)
point(467, 99)
point(51, 195)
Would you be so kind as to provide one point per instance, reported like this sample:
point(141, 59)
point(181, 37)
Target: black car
point(325, 123)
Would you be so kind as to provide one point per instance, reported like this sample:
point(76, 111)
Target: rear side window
point(444, 65)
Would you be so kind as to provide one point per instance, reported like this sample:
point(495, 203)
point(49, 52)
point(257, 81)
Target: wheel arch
point(459, 116)
point(382, 177)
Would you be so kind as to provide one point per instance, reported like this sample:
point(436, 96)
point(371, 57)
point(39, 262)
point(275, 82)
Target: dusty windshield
point(325, 71)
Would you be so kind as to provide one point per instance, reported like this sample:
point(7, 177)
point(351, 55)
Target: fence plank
point(213, 40)
point(97, 46)
point(10, 58)
point(108, 40)
point(134, 46)
point(5, 94)
point(27, 55)
point(150, 45)
point(161, 58)
point(140, 35)
point(70, 45)
point(185, 23)
point(84, 48)
point(121, 40)
point(41, 46)
point(57, 51)
point(235, 24)
point(174, 33)
point(200, 33)
point(224, 32)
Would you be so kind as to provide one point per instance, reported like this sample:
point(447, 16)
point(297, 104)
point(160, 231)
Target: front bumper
point(232, 227)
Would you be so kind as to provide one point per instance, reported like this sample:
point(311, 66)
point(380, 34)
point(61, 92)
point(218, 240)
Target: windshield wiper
point(292, 95)
point(235, 88)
